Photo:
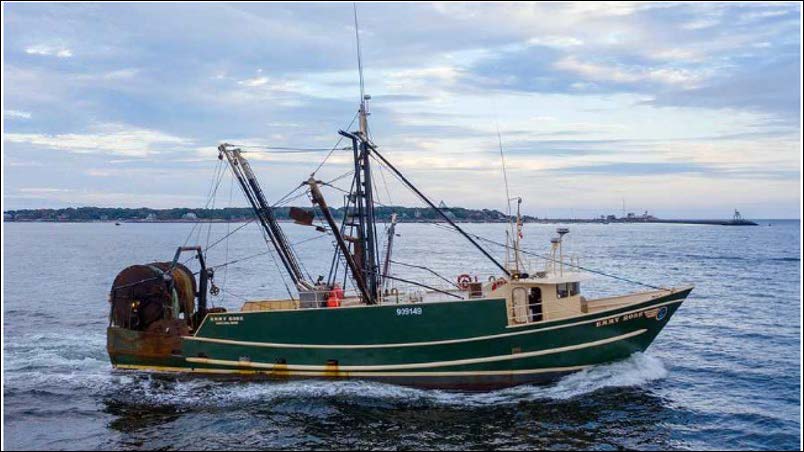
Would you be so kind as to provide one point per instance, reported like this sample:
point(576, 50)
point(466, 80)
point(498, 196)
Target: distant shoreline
point(424, 221)
point(403, 214)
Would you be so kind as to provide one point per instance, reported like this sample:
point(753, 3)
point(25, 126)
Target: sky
point(687, 110)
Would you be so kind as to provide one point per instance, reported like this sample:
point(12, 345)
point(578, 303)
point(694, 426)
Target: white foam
point(635, 371)
point(42, 360)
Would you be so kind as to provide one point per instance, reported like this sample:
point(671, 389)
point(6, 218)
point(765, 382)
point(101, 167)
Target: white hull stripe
point(414, 344)
point(281, 373)
point(426, 365)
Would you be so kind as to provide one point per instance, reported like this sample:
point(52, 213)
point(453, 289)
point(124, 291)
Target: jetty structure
point(736, 220)
point(527, 323)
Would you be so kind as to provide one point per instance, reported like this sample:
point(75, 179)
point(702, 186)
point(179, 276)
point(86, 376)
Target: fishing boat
point(525, 324)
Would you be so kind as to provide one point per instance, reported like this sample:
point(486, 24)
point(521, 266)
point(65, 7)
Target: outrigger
point(526, 324)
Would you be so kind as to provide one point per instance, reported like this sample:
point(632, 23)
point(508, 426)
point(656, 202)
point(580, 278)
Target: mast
point(364, 205)
point(389, 248)
point(358, 276)
point(363, 262)
point(264, 213)
point(518, 236)
point(363, 190)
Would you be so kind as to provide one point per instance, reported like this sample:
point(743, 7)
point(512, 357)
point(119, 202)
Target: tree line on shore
point(78, 214)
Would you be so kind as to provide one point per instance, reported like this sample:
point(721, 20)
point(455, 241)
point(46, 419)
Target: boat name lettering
point(227, 319)
point(655, 313)
point(409, 311)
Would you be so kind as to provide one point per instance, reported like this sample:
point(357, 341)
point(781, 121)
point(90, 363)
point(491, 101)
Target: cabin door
point(535, 304)
point(519, 305)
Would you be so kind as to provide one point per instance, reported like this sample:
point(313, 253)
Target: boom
point(264, 213)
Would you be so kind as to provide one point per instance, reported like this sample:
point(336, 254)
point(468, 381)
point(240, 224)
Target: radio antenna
point(359, 55)
point(504, 171)
point(515, 232)
point(363, 98)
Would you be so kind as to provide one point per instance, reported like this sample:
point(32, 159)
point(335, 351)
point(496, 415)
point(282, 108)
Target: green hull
point(456, 345)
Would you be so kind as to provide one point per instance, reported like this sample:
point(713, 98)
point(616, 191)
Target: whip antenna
point(359, 55)
point(363, 113)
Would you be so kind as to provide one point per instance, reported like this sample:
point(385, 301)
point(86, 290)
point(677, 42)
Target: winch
point(153, 305)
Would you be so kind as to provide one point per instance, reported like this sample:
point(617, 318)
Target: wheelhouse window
point(565, 290)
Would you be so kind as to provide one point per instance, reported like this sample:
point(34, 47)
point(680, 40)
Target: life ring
point(463, 281)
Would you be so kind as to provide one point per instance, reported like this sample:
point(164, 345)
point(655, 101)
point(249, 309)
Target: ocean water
point(724, 374)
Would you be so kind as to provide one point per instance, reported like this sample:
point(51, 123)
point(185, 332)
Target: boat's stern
point(130, 349)
point(151, 307)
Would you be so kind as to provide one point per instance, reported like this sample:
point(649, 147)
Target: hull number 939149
point(409, 311)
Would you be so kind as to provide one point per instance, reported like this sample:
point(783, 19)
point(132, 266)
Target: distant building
point(189, 216)
point(151, 216)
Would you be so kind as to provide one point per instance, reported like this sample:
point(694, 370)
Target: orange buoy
point(337, 291)
point(335, 296)
point(333, 302)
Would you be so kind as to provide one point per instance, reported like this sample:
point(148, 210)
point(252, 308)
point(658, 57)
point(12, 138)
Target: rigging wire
point(242, 259)
point(263, 253)
point(454, 226)
point(272, 253)
point(228, 233)
point(385, 185)
point(209, 226)
point(285, 149)
point(310, 239)
point(231, 233)
point(338, 143)
point(291, 199)
point(233, 294)
point(422, 267)
point(376, 195)
point(547, 258)
point(212, 189)
point(287, 199)
point(344, 175)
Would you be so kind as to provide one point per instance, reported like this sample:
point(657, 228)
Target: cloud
point(254, 82)
point(700, 24)
point(555, 41)
point(16, 114)
point(598, 72)
point(638, 169)
point(112, 139)
point(714, 86)
point(42, 190)
point(45, 197)
point(49, 50)
point(422, 81)
point(772, 87)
